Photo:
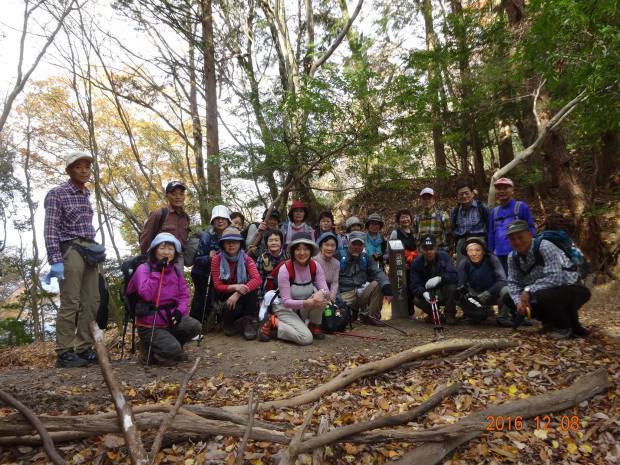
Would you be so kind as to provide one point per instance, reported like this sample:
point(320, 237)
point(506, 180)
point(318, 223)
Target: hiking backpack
point(482, 211)
point(128, 268)
point(336, 317)
point(562, 241)
point(271, 283)
point(514, 216)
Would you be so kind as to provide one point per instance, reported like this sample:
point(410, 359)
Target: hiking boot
point(580, 331)
point(70, 359)
point(268, 329)
point(230, 328)
point(561, 333)
point(316, 331)
point(89, 355)
point(158, 360)
point(249, 330)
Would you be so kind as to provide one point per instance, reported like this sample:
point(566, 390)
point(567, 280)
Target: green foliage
point(13, 332)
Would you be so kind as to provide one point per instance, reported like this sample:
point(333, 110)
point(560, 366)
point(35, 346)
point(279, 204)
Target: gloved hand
point(57, 270)
point(175, 317)
point(433, 282)
point(484, 297)
point(163, 263)
point(427, 296)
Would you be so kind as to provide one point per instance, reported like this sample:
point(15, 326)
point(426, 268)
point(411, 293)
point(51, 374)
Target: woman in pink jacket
point(163, 320)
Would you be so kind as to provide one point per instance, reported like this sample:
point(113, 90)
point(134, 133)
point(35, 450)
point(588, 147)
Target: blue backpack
point(363, 262)
point(563, 241)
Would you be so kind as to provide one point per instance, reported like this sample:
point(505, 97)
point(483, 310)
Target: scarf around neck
point(239, 259)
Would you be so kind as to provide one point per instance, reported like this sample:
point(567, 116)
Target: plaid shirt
point(68, 215)
point(468, 220)
point(554, 271)
point(435, 223)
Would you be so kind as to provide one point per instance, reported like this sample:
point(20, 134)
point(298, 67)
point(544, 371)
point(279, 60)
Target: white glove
point(433, 282)
point(427, 296)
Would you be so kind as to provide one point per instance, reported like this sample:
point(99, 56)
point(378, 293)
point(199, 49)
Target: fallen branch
point(126, 418)
point(339, 434)
point(289, 456)
point(318, 454)
point(583, 388)
point(48, 443)
point(246, 436)
point(165, 424)
point(349, 376)
point(459, 357)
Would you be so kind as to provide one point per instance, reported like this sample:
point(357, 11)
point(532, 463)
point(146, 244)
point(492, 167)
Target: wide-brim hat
point(220, 211)
point(165, 237)
point(302, 238)
point(298, 204)
point(72, 157)
point(231, 234)
point(376, 218)
point(352, 221)
point(474, 240)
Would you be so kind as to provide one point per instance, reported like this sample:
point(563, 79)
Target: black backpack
point(104, 301)
point(128, 268)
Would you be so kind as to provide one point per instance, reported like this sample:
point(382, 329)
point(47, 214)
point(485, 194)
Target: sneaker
point(249, 330)
point(580, 331)
point(89, 355)
point(561, 333)
point(268, 329)
point(70, 359)
point(316, 331)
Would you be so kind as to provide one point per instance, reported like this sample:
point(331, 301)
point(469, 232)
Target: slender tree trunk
point(504, 146)
point(214, 183)
point(33, 289)
point(607, 160)
point(197, 138)
point(434, 78)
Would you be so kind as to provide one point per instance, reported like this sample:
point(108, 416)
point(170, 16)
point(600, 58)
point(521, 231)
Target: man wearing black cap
point(434, 272)
point(171, 219)
point(542, 281)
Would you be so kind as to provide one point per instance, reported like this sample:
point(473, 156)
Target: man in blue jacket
point(501, 216)
point(434, 271)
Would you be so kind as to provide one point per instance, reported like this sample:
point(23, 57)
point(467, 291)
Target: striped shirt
point(553, 272)
point(68, 215)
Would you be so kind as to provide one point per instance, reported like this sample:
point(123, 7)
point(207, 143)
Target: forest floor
point(231, 367)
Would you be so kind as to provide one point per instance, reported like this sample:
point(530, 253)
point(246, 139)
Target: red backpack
point(272, 279)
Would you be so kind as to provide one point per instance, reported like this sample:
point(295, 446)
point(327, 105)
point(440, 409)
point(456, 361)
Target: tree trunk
point(504, 146)
point(607, 160)
point(201, 182)
point(214, 183)
point(434, 79)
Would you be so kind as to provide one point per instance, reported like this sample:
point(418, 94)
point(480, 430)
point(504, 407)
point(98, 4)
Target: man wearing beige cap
point(502, 215)
point(69, 234)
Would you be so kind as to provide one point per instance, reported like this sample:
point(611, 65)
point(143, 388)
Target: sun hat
point(231, 234)
point(165, 237)
point(302, 238)
point(220, 211)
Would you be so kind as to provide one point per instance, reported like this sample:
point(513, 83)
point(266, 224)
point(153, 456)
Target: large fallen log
point(351, 375)
point(472, 426)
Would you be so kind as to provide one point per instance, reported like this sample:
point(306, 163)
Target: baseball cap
point(518, 226)
point(74, 156)
point(358, 236)
point(427, 190)
point(504, 181)
point(172, 185)
point(428, 241)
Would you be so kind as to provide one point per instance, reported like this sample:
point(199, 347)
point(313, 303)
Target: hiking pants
point(168, 342)
point(247, 306)
point(559, 306)
point(198, 300)
point(292, 325)
point(446, 296)
point(79, 302)
point(371, 297)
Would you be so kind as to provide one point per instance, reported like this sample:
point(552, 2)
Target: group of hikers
point(279, 278)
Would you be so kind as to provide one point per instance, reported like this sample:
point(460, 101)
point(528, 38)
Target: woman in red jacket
point(236, 281)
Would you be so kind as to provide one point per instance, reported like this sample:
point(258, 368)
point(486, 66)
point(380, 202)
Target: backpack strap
point(291, 270)
point(454, 216)
point(162, 219)
point(483, 212)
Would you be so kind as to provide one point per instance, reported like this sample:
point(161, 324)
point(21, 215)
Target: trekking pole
point(436, 318)
point(161, 280)
point(384, 323)
point(204, 312)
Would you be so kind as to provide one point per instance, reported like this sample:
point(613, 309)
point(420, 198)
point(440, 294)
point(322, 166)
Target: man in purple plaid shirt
point(69, 221)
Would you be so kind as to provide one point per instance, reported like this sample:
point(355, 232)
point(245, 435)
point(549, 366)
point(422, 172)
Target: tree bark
point(504, 146)
point(607, 160)
point(214, 182)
